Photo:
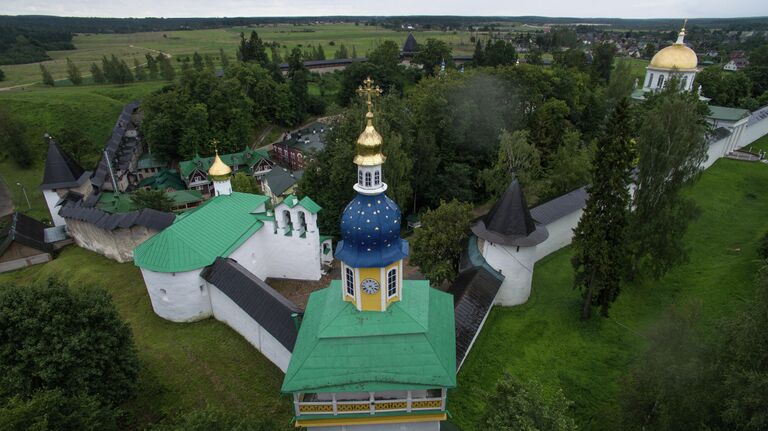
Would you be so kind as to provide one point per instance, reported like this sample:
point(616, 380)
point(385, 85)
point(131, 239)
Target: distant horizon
point(563, 17)
point(596, 9)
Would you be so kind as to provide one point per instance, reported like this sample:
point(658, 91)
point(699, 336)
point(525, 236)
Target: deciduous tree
point(431, 54)
point(46, 76)
point(153, 199)
point(73, 73)
point(436, 246)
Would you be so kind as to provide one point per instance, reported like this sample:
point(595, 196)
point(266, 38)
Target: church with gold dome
point(675, 61)
point(375, 351)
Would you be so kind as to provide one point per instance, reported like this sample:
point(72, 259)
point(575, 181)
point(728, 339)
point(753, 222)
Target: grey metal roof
point(149, 218)
point(119, 150)
point(758, 115)
point(281, 179)
point(560, 206)
point(23, 229)
point(55, 234)
point(265, 305)
point(473, 293)
point(410, 46)
point(61, 170)
point(509, 221)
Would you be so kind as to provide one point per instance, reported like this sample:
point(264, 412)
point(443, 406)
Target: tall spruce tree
point(599, 242)
point(97, 74)
point(151, 66)
point(672, 146)
point(73, 73)
point(46, 75)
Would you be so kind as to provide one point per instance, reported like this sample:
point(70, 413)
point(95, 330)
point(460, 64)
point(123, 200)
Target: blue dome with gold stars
point(370, 232)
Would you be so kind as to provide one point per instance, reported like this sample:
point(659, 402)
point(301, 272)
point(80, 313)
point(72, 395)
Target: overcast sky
point(233, 8)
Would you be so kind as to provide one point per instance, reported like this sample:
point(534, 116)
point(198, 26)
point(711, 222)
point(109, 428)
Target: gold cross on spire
point(369, 91)
point(685, 23)
point(215, 143)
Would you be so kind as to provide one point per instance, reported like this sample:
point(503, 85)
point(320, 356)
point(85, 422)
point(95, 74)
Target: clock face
point(370, 286)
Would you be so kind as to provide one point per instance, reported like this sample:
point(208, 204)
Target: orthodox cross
point(215, 143)
point(369, 91)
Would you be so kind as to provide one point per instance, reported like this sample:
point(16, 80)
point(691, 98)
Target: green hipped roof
point(185, 196)
point(216, 228)
point(306, 202)
point(163, 180)
point(247, 157)
point(727, 114)
point(412, 345)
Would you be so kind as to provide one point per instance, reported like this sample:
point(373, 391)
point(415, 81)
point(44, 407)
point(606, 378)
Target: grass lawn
point(92, 109)
point(545, 340)
point(186, 366)
point(91, 47)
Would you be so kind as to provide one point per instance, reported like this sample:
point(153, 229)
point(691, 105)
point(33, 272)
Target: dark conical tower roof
point(61, 170)
point(509, 222)
point(410, 46)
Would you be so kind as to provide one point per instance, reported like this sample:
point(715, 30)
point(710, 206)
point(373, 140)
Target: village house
point(297, 147)
point(194, 172)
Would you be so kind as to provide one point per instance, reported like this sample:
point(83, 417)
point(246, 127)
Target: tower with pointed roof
point(507, 239)
point(62, 176)
point(374, 351)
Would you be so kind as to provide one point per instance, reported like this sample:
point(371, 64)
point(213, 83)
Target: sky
point(252, 8)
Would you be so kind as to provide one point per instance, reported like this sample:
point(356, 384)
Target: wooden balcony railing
point(371, 405)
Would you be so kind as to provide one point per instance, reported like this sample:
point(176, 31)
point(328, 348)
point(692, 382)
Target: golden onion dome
point(219, 170)
point(369, 145)
point(677, 56)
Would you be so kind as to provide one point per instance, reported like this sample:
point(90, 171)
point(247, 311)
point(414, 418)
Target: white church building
point(280, 243)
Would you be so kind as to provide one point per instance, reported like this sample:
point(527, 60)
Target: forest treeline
point(29, 45)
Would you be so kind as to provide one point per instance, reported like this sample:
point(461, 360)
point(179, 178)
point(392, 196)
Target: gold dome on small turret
point(219, 170)
point(677, 56)
point(369, 142)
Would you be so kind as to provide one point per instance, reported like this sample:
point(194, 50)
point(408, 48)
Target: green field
point(91, 47)
point(545, 340)
point(93, 109)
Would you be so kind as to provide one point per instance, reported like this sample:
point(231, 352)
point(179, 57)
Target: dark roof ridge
point(509, 221)
point(61, 170)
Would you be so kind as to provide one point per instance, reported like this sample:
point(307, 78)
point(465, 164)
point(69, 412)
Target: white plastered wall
point(516, 265)
point(51, 198)
point(178, 296)
point(225, 310)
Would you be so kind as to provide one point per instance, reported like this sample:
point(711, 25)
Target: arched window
point(360, 177)
point(302, 221)
point(660, 83)
point(367, 179)
point(391, 283)
point(684, 83)
point(376, 178)
point(350, 282)
point(650, 79)
point(287, 219)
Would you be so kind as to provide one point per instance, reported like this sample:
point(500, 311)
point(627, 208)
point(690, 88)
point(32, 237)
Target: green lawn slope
point(545, 340)
point(187, 366)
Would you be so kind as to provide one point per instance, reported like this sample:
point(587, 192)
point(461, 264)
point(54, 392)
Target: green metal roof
point(247, 157)
point(163, 180)
point(727, 114)
point(216, 228)
point(185, 196)
point(306, 202)
point(340, 349)
point(115, 203)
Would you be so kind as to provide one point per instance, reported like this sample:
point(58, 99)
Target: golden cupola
point(677, 56)
point(219, 170)
point(369, 142)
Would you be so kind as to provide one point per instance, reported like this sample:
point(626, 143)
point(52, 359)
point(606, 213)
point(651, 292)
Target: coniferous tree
point(209, 62)
point(154, 199)
point(197, 61)
point(47, 77)
point(97, 74)
point(320, 52)
point(73, 73)
point(342, 52)
point(600, 238)
point(166, 68)
point(223, 58)
point(478, 59)
point(151, 66)
point(138, 70)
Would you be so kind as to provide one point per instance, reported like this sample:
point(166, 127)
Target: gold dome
point(677, 56)
point(369, 145)
point(219, 169)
